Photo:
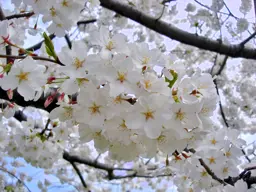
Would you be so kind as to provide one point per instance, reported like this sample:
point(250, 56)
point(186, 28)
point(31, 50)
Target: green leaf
point(7, 68)
point(175, 77)
point(42, 137)
point(9, 188)
point(49, 46)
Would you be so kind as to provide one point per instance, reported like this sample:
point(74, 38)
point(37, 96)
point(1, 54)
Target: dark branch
point(209, 171)
point(85, 22)
point(68, 41)
point(19, 100)
point(247, 39)
point(16, 16)
point(222, 66)
point(38, 45)
point(79, 174)
point(173, 32)
point(109, 169)
point(34, 57)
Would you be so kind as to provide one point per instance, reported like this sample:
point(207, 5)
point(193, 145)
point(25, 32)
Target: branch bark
point(16, 16)
point(173, 32)
point(34, 57)
point(109, 169)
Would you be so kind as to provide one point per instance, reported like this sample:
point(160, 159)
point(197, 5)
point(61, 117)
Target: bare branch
point(173, 32)
point(79, 174)
point(85, 22)
point(209, 171)
point(68, 41)
point(38, 45)
point(109, 169)
point(247, 39)
point(16, 16)
point(224, 62)
point(34, 57)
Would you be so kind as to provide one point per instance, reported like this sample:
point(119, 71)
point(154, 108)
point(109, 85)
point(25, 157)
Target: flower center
point(94, 109)
point(64, 3)
point(78, 63)
point(121, 76)
point(53, 12)
point(211, 160)
point(180, 115)
point(204, 173)
point(149, 115)
point(161, 139)
point(23, 76)
point(225, 170)
point(145, 60)
point(147, 84)
point(110, 45)
point(213, 141)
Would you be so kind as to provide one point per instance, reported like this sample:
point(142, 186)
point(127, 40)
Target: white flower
point(142, 56)
point(246, 6)
point(190, 7)
point(27, 76)
point(152, 84)
point(147, 114)
point(242, 25)
point(109, 44)
point(92, 106)
point(122, 77)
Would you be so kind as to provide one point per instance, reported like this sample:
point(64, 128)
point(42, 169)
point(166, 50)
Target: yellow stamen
point(121, 76)
point(23, 76)
point(147, 83)
point(110, 45)
point(149, 115)
point(94, 109)
point(78, 63)
point(180, 115)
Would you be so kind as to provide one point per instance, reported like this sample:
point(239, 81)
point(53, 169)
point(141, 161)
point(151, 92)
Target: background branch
point(173, 32)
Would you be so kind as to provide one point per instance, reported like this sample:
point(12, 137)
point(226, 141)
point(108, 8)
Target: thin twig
point(38, 45)
point(247, 39)
point(207, 7)
point(230, 13)
point(29, 14)
point(24, 184)
point(224, 62)
point(79, 174)
point(46, 126)
point(247, 158)
point(220, 105)
point(68, 41)
point(34, 57)
point(209, 171)
point(85, 22)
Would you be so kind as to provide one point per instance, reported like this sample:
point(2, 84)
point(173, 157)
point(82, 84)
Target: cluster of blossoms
point(131, 100)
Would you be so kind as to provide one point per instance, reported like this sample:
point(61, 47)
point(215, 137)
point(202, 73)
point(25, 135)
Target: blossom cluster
point(129, 98)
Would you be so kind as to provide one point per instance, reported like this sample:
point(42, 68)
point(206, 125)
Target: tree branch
point(38, 45)
point(109, 169)
point(19, 100)
point(209, 171)
point(79, 174)
point(85, 22)
point(34, 57)
point(16, 16)
point(173, 32)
